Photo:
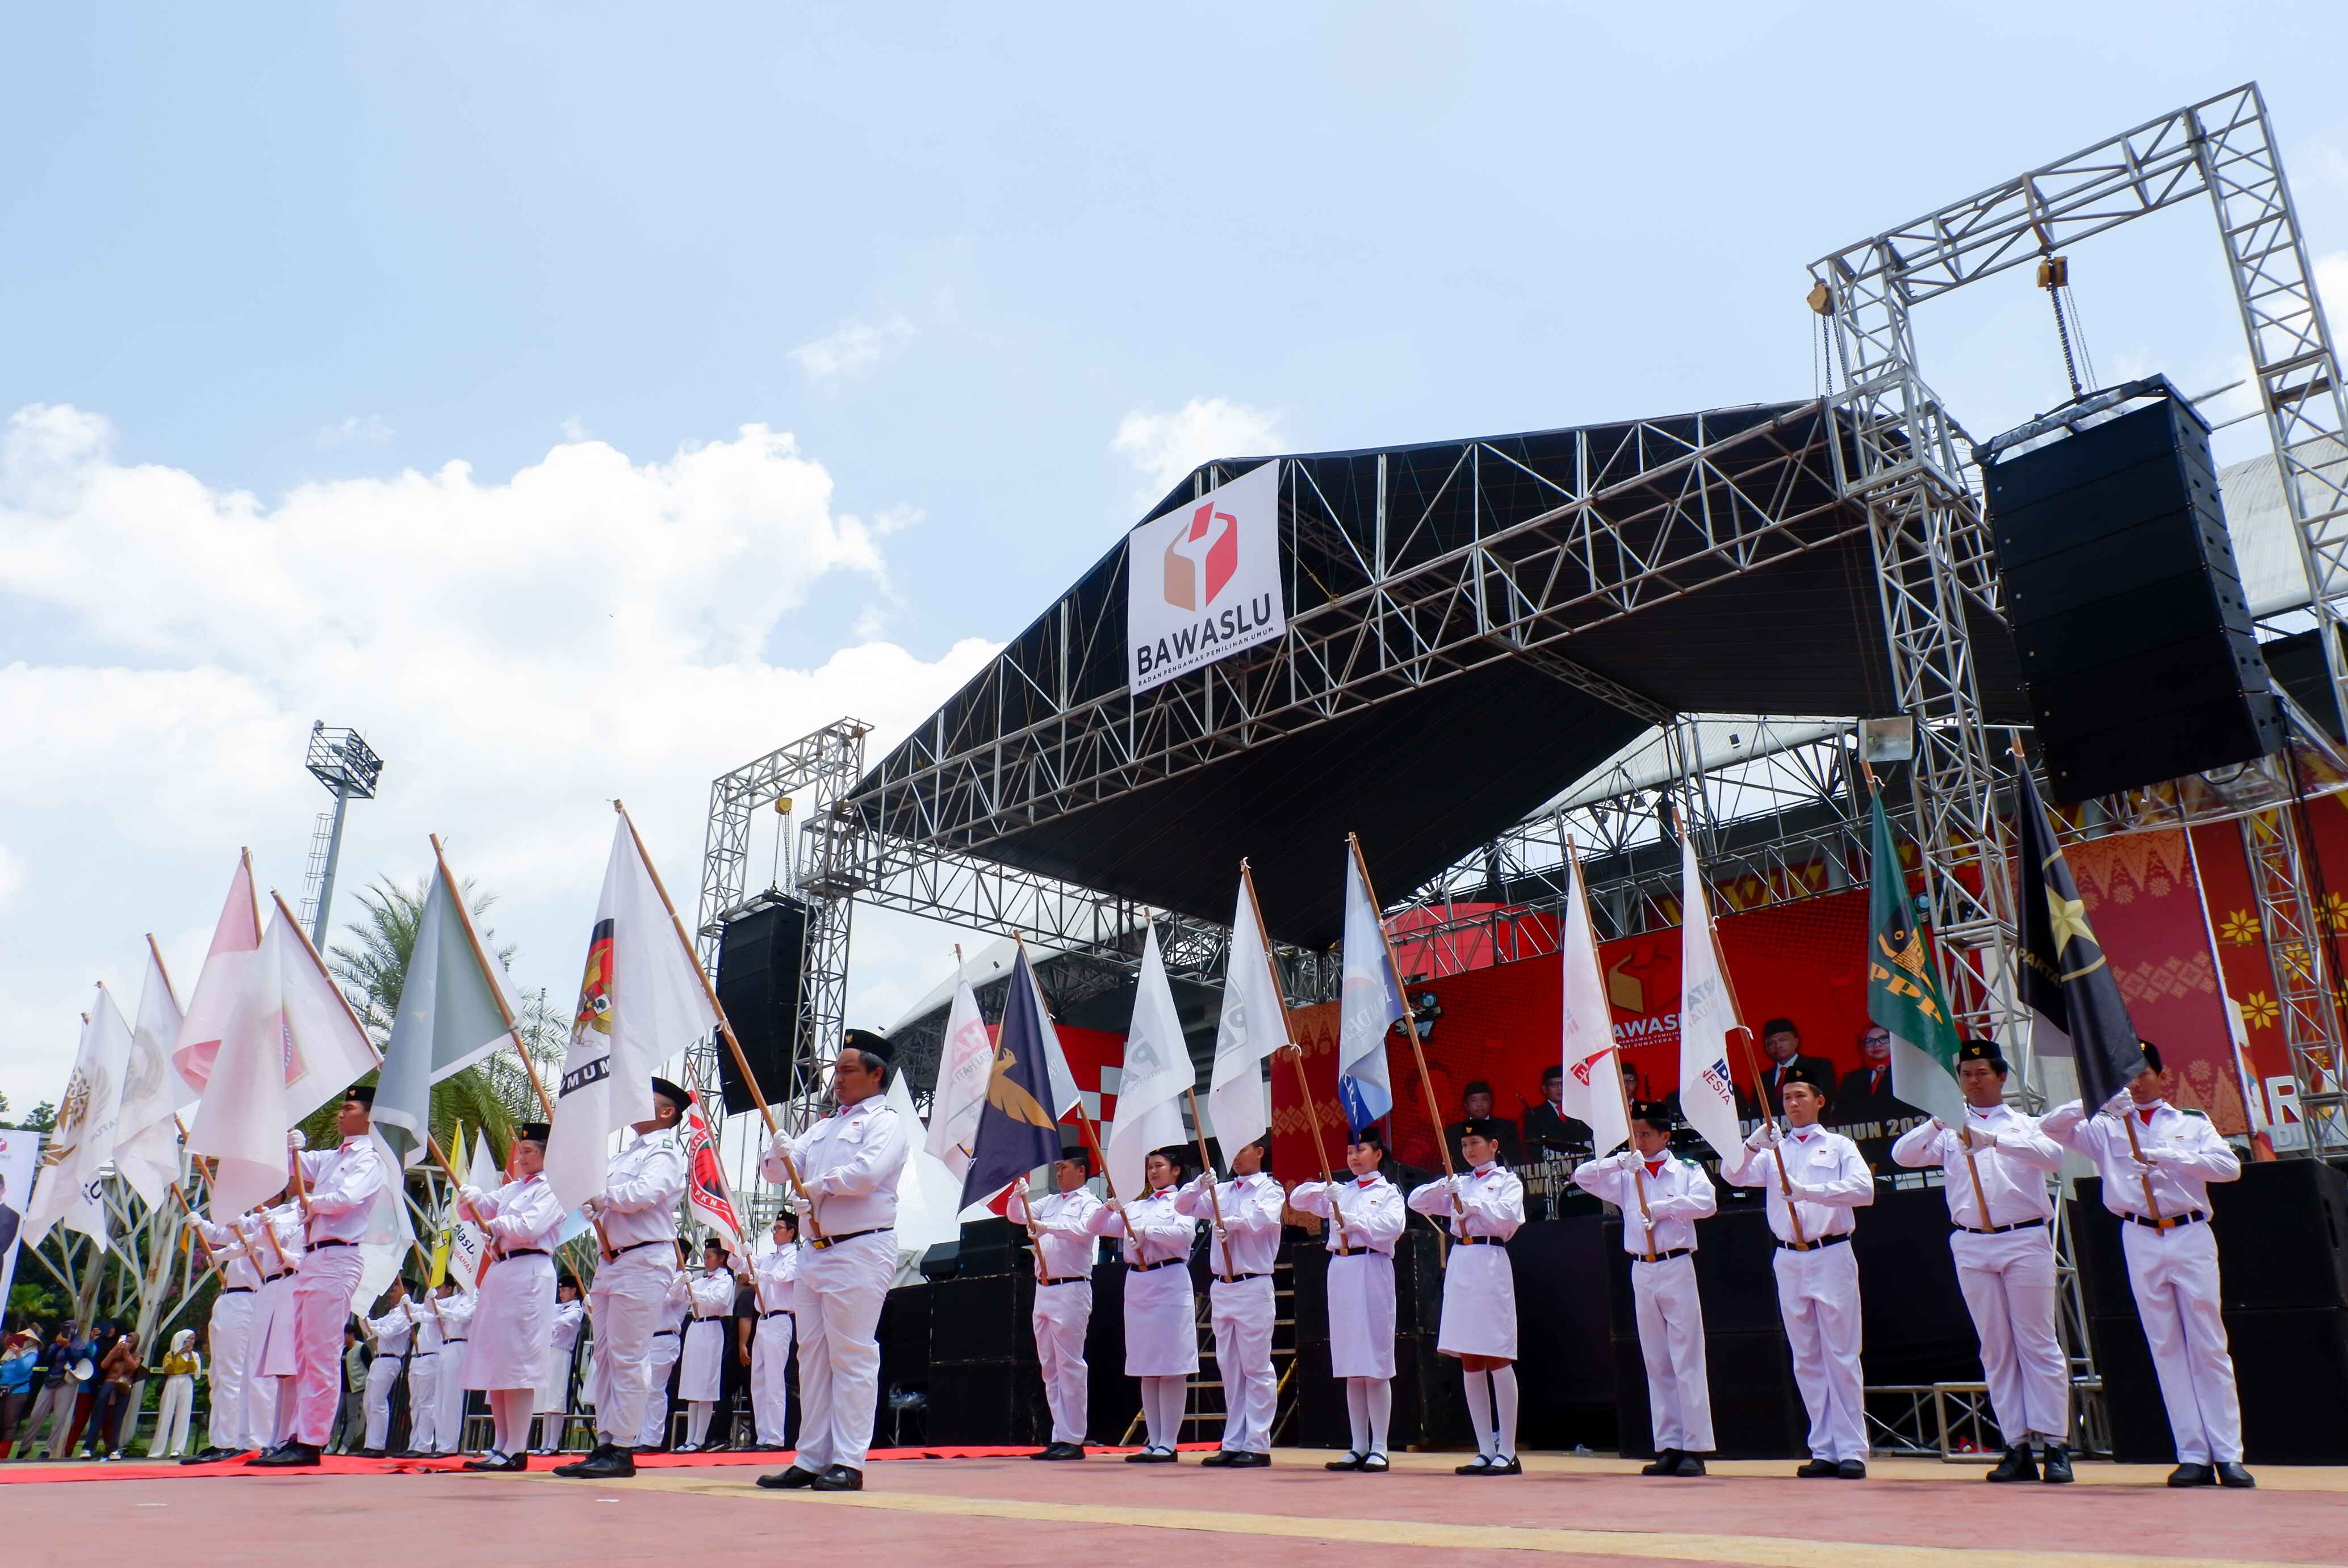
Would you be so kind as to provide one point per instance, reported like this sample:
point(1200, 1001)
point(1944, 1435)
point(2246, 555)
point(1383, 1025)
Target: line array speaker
point(758, 961)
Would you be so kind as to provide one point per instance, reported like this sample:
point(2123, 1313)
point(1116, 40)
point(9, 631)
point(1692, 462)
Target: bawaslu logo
point(1203, 580)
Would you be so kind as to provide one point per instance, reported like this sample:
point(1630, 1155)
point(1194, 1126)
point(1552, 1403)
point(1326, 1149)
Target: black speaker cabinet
point(2283, 1241)
point(759, 960)
point(988, 1402)
point(983, 1317)
point(2291, 1368)
point(2127, 606)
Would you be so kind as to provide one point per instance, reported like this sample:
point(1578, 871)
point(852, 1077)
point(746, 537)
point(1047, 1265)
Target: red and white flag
point(147, 1151)
point(705, 1183)
point(229, 971)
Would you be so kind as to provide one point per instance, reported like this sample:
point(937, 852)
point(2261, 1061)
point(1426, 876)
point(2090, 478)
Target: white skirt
point(512, 1335)
point(553, 1390)
point(1480, 1304)
point(1362, 1315)
point(273, 1353)
point(702, 1363)
point(1161, 1323)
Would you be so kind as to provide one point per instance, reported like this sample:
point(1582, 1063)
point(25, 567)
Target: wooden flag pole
point(1026, 1183)
point(1409, 1025)
point(726, 1030)
point(1296, 1054)
point(456, 1191)
point(1092, 1142)
point(1214, 1203)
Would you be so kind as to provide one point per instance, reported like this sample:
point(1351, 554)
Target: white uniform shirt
point(775, 1279)
point(712, 1295)
point(457, 1315)
point(235, 1255)
point(344, 1183)
point(1373, 1208)
point(851, 1162)
point(1832, 1179)
point(391, 1331)
point(568, 1316)
point(2185, 1151)
point(1491, 1202)
point(641, 1187)
point(2013, 1156)
point(1678, 1195)
point(427, 1325)
point(1063, 1223)
point(523, 1214)
point(1159, 1231)
point(274, 1236)
point(1250, 1208)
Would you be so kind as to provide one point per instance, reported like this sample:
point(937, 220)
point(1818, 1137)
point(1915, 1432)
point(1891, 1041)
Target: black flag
point(2064, 981)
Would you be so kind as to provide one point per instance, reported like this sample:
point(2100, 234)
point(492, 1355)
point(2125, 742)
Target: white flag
point(1157, 1070)
point(1065, 1096)
point(928, 1195)
point(964, 1063)
point(231, 969)
point(68, 1187)
point(1254, 1023)
point(467, 1240)
point(641, 1001)
point(326, 1048)
point(1593, 1074)
point(147, 1150)
point(1369, 1004)
point(1707, 1092)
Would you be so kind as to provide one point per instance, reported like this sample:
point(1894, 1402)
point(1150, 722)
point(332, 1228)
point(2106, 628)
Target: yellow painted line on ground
point(1764, 1551)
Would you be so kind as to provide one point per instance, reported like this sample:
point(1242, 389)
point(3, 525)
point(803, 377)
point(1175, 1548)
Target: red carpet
point(341, 1464)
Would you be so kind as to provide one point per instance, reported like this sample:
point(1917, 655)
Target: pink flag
point(230, 969)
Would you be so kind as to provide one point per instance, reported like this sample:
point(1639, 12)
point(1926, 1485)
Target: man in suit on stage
point(1786, 1064)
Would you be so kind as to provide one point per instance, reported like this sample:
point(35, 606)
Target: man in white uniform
point(1817, 1277)
point(1065, 1244)
point(456, 1307)
point(1240, 1301)
point(849, 1163)
point(774, 1287)
point(513, 1317)
point(273, 1232)
point(1483, 1205)
point(235, 1421)
point(424, 1357)
point(343, 1186)
point(1661, 1199)
point(1366, 1219)
point(2158, 1184)
point(393, 1334)
point(667, 1349)
point(637, 1216)
point(708, 1335)
point(2006, 1257)
point(553, 1399)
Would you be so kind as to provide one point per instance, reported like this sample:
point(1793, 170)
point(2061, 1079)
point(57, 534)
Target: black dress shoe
point(574, 1467)
point(2058, 1464)
point(286, 1456)
point(212, 1456)
point(609, 1463)
point(2193, 1475)
point(1154, 1456)
point(1247, 1459)
point(1819, 1470)
point(2231, 1473)
point(1689, 1465)
point(1351, 1461)
point(791, 1479)
point(1220, 1457)
point(838, 1478)
point(505, 1465)
point(1851, 1469)
point(1061, 1451)
point(2017, 1465)
point(1506, 1465)
point(1373, 1464)
point(1480, 1465)
point(1667, 1462)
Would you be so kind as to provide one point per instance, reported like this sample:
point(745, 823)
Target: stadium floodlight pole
point(348, 767)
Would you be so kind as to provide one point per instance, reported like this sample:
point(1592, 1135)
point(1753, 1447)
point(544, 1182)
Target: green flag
point(453, 1007)
point(1904, 987)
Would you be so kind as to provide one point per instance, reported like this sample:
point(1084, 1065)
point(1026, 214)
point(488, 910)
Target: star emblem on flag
point(2069, 918)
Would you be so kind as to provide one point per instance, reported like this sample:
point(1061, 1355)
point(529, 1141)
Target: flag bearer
point(1161, 1315)
point(424, 1357)
point(513, 1320)
point(1063, 1223)
point(2160, 1187)
point(1361, 1293)
point(1239, 1302)
point(2006, 1257)
point(1483, 1205)
point(1817, 1277)
point(456, 1307)
point(393, 1333)
point(238, 1418)
point(667, 1350)
point(273, 1232)
point(774, 1285)
point(1662, 1198)
point(553, 1401)
point(701, 1365)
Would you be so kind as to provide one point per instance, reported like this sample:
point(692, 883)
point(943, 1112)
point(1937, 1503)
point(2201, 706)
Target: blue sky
point(981, 278)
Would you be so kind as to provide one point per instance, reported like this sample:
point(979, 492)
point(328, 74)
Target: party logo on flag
point(705, 1182)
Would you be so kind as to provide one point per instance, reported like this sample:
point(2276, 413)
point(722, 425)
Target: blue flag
point(1016, 1130)
point(1369, 1005)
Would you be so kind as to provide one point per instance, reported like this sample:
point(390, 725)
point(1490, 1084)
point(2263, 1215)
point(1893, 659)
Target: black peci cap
point(871, 1042)
point(1821, 1082)
point(1656, 1113)
point(531, 1132)
point(1482, 1127)
point(362, 1093)
point(1778, 1026)
point(1982, 1051)
point(2151, 1054)
point(671, 1093)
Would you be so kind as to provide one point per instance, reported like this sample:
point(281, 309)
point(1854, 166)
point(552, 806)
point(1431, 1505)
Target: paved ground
point(1004, 1510)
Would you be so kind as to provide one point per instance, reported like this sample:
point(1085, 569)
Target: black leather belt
point(526, 1252)
point(780, 1312)
point(1660, 1256)
point(322, 1246)
point(236, 1290)
point(665, 1334)
point(2172, 1223)
point(1814, 1245)
point(2000, 1230)
point(822, 1243)
point(1476, 1240)
point(419, 1354)
point(1161, 1263)
point(453, 1340)
point(1235, 1278)
point(273, 1278)
point(640, 1245)
point(1071, 1279)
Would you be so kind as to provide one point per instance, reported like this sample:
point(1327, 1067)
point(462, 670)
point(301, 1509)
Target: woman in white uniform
point(513, 1313)
point(1483, 1205)
point(1361, 1292)
point(1161, 1315)
point(701, 1366)
point(554, 1394)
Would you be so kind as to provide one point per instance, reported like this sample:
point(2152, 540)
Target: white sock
point(1381, 1393)
point(1167, 1398)
point(506, 1418)
point(1504, 1396)
point(1357, 1411)
point(696, 1420)
point(1480, 1410)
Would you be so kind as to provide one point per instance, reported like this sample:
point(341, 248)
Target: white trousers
point(1242, 1313)
point(173, 1409)
point(234, 1423)
point(383, 1375)
point(2009, 1286)
point(628, 1302)
point(770, 1367)
point(1063, 1312)
point(1817, 1296)
point(451, 1416)
point(423, 1401)
point(323, 1289)
point(840, 1291)
point(652, 1431)
point(1670, 1341)
point(2174, 1273)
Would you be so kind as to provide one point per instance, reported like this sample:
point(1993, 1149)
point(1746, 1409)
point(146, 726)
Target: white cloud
point(1162, 447)
point(12, 875)
point(521, 652)
point(2331, 288)
point(352, 429)
point(851, 347)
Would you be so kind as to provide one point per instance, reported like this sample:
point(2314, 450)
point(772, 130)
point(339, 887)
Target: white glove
point(2118, 1105)
point(1764, 1136)
point(2155, 1154)
point(1629, 1160)
point(295, 1140)
point(1795, 1192)
point(470, 1195)
point(593, 1208)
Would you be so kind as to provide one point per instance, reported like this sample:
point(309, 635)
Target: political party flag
point(1903, 986)
point(1156, 1073)
point(1017, 1130)
point(1253, 1024)
point(1369, 1003)
point(1593, 1075)
point(2077, 1009)
point(468, 1243)
point(326, 1048)
point(147, 1147)
point(453, 1009)
point(929, 1196)
point(67, 1188)
point(964, 1062)
point(1065, 1098)
point(641, 1000)
point(1708, 1017)
point(230, 967)
point(705, 1183)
